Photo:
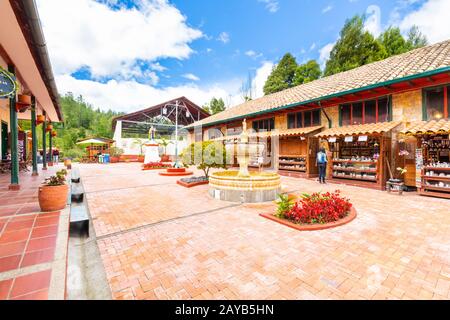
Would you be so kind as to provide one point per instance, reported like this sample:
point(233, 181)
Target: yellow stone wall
point(333, 114)
point(281, 121)
point(407, 106)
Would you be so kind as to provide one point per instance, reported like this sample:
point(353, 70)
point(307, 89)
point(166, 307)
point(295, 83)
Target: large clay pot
point(141, 159)
point(114, 159)
point(49, 127)
point(165, 158)
point(53, 198)
point(24, 99)
point(40, 119)
point(68, 163)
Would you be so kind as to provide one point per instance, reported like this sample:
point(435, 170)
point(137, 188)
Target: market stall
point(432, 156)
point(297, 151)
point(359, 154)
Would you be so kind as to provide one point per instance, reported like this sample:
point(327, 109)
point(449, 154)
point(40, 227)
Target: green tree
point(205, 155)
point(215, 106)
point(394, 42)
point(416, 39)
point(282, 76)
point(354, 48)
point(307, 72)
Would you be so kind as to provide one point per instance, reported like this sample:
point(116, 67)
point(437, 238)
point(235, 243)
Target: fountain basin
point(257, 187)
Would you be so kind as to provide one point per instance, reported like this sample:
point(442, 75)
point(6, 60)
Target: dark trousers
point(322, 171)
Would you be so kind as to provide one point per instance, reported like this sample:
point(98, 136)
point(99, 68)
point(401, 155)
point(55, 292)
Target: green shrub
point(205, 155)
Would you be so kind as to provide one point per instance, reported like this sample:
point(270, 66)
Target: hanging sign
point(348, 139)
point(332, 139)
point(7, 84)
point(362, 138)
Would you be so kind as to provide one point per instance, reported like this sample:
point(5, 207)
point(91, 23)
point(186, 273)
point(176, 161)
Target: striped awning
point(427, 127)
point(370, 128)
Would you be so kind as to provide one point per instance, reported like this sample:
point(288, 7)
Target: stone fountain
point(242, 185)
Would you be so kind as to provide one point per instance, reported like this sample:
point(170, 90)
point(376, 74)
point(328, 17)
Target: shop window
point(346, 114)
point(370, 111)
point(264, 125)
point(214, 133)
point(357, 116)
point(304, 119)
point(291, 121)
point(436, 103)
point(234, 131)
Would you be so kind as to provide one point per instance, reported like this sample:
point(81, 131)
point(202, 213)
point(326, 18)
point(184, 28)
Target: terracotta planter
point(49, 128)
point(21, 107)
point(24, 99)
point(114, 159)
point(40, 119)
point(54, 133)
point(53, 198)
point(141, 159)
point(165, 158)
point(68, 162)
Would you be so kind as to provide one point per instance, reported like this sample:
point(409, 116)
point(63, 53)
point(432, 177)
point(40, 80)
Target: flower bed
point(155, 166)
point(193, 182)
point(313, 212)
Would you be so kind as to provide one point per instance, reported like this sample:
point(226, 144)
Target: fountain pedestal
point(151, 153)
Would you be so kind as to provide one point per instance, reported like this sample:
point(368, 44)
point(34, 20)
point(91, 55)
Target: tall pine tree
point(282, 76)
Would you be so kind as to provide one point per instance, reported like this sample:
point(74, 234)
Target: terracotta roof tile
point(369, 128)
point(412, 63)
point(296, 132)
point(428, 127)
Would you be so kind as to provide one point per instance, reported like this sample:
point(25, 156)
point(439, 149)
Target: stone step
point(79, 220)
point(77, 193)
point(75, 175)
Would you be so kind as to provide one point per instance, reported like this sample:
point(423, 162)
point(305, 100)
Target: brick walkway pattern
point(33, 245)
point(159, 240)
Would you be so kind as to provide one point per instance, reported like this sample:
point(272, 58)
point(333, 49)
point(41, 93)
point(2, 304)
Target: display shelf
point(292, 156)
point(293, 169)
point(353, 178)
point(374, 170)
point(292, 163)
point(435, 185)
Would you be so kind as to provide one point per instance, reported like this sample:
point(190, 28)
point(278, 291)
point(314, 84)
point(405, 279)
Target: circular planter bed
point(155, 166)
point(176, 172)
point(312, 227)
point(192, 182)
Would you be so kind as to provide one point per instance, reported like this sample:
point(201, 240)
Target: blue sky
point(124, 54)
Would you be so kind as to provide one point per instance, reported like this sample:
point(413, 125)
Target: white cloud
point(128, 95)
point(313, 46)
point(271, 5)
point(157, 67)
point(224, 37)
point(327, 8)
point(373, 20)
point(191, 76)
point(325, 53)
point(86, 33)
point(432, 18)
point(253, 54)
point(262, 73)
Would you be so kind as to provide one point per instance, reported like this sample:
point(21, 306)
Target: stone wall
point(333, 114)
point(407, 106)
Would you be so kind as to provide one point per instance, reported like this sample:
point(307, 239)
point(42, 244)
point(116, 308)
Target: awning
point(295, 132)
point(427, 127)
point(370, 128)
point(92, 141)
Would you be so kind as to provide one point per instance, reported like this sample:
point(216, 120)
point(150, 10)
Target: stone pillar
point(14, 140)
point(33, 137)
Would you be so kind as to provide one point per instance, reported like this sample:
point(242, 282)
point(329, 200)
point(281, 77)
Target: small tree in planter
point(205, 155)
point(141, 143)
point(165, 143)
point(53, 193)
point(115, 154)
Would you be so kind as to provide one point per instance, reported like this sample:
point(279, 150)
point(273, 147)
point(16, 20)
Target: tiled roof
point(428, 127)
point(369, 128)
point(434, 58)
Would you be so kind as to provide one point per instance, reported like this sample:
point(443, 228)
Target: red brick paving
point(397, 248)
point(27, 240)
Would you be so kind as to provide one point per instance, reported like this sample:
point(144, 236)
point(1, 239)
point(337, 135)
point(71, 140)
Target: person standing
point(321, 162)
point(55, 156)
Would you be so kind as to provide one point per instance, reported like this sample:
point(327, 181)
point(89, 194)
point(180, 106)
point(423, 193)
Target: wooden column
point(33, 137)
point(44, 144)
point(14, 139)
point(50, 147)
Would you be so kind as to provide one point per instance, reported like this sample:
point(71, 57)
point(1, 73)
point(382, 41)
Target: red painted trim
point(376, 110)
point(312, 227)
point(364, 113)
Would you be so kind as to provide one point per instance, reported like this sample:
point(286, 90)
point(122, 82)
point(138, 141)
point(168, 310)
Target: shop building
point(24, 59)
point(371, 120)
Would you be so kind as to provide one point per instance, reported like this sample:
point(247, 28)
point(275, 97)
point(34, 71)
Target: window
point(214, 133)
point(304, 119)
point(370, 111)
point(436, 103)
point(264, 125)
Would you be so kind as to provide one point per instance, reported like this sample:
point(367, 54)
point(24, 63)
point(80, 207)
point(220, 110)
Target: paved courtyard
point(159, 240)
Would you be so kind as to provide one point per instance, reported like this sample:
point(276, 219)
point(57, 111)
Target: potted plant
point(115, 154)
point(54, 133)
point(141, 143)
point(53, 193)
point(40, 118)
point(165, 143)
point(49, 127)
